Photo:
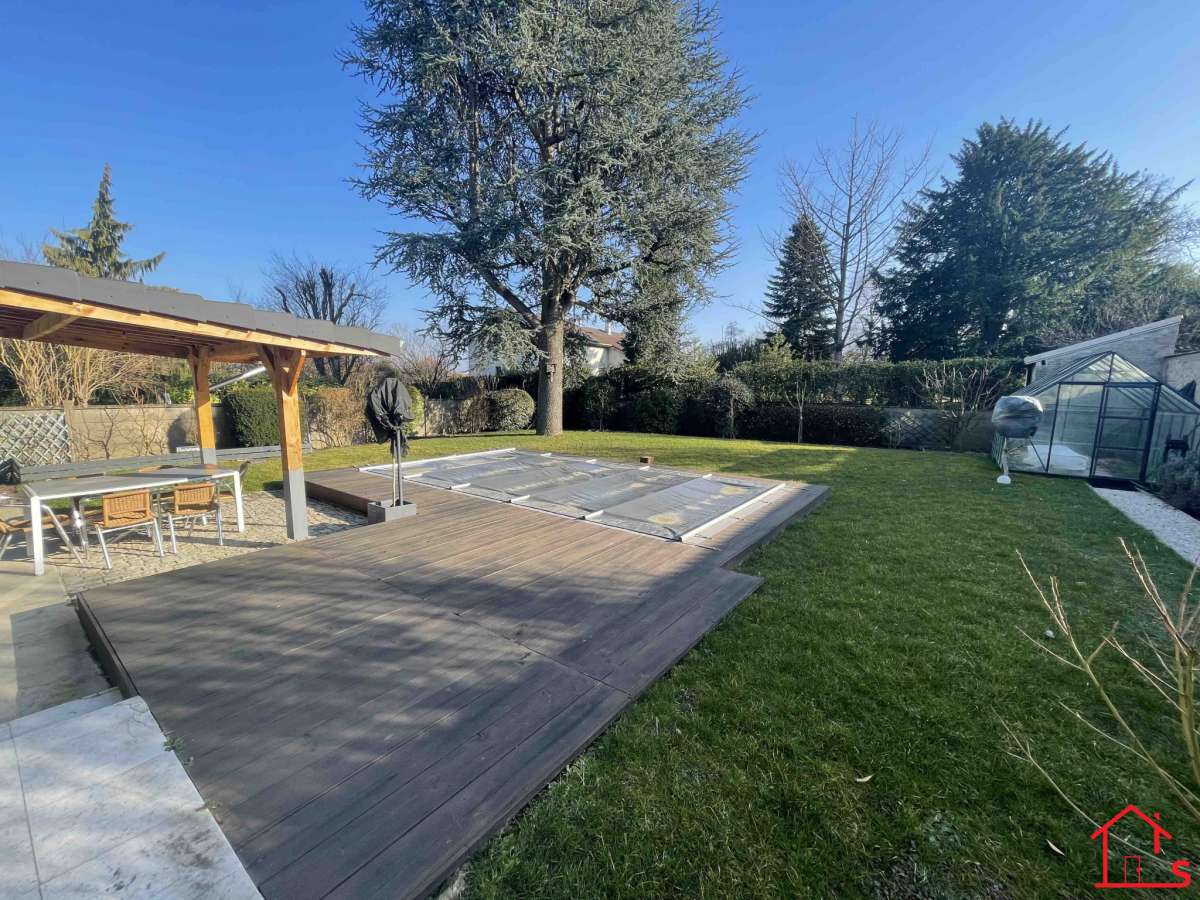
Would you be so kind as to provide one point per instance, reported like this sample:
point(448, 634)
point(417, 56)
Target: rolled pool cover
point(1017, 416)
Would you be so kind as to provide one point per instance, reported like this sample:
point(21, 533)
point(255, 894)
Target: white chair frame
point(6, 541)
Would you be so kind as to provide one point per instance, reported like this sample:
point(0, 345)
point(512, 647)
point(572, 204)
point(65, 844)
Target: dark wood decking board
point(364, 709)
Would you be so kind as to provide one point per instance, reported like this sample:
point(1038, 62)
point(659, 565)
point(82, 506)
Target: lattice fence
point(919, 429)
point(34, 437)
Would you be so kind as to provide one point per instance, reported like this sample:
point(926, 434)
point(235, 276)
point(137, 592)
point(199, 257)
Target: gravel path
point(1176, 529)
point(134, 556)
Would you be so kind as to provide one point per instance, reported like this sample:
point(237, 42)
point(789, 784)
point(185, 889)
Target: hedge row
point(335, 412)
point(843, 403)
point(869, 383)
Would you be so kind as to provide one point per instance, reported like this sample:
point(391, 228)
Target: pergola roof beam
point(45, 325)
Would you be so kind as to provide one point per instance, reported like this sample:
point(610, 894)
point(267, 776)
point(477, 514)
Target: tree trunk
point(549, 417)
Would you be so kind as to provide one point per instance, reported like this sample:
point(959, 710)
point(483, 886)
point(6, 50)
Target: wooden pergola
point(42, 303)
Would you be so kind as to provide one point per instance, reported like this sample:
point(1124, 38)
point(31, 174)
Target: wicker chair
point(129, 511)
point(12, 526)
point(192, 502)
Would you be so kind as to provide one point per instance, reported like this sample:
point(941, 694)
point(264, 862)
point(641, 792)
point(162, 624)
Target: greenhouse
point(1103, 417)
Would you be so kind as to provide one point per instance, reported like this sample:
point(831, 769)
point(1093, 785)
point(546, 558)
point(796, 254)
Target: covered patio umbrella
point(389, 409)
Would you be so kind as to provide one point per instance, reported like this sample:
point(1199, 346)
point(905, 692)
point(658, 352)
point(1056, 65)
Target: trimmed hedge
point(657, 411)
point(510, 409)
point(253, 415)
point(335, 415)
point(853, 426)
point(871, 383)
point(418, 411)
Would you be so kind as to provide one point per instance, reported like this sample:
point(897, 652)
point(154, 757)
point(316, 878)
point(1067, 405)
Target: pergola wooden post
point(201, 362)
point(284, 367)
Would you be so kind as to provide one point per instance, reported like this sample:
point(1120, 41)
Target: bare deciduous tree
point(855, 195)
point(55, 375)
point(311, 290)
point(425, 362)
point(960, 392)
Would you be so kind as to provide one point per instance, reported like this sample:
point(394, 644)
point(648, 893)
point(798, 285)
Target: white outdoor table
point(76, 489)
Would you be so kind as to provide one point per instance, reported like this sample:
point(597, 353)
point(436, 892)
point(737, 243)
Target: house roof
point(1104, 340)
point(61, 306)
point(598, 337)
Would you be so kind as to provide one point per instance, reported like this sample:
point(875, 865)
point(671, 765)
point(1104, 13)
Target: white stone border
point(1173, 527)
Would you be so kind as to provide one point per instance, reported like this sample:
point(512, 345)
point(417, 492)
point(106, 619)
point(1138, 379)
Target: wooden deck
point(362, 710)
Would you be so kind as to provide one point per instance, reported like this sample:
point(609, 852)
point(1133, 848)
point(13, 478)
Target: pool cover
point(653, 500)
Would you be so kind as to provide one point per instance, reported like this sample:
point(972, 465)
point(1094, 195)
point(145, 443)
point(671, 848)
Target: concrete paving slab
point(186, 857)
point(86, 750)
point(44, 657)
point(88, 823)
point(69, 710)
point(92, 804)
point(18, 873)
point(12, 801)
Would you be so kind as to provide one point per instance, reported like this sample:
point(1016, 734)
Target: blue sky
point(231, 128)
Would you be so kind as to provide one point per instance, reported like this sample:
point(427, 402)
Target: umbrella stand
point(397, 476)
point(388, 409)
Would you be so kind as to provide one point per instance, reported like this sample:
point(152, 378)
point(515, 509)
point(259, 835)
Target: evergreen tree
point(564, 153)
point(800, 293)
point(1016, 246)
point(96, 248)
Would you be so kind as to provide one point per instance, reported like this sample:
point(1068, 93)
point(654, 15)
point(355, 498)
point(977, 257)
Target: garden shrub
point(336, 417)
point(414, 427)
point(698, 408)
point(253, 415)
point(1179, 484)
point(598, 402)
point(510, 409)
point(726, 399)
point(657, 410)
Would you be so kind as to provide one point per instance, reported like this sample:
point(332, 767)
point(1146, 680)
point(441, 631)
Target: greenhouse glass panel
point(1124, 370)
point(1099, 370)
point(1074, 436)
point(1177, 420)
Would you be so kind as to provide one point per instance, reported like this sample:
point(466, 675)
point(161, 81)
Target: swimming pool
point(655, 500)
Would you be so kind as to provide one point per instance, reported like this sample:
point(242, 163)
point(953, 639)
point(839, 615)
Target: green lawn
point(881, 644)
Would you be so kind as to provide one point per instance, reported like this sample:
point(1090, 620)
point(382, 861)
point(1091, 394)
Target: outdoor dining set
point(107, 507)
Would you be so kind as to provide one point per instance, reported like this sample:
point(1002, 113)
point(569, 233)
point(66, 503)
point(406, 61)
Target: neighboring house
point(604, 351)
point(1150, 347)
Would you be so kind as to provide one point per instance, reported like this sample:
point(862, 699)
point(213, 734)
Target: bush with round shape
point(510, 409)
